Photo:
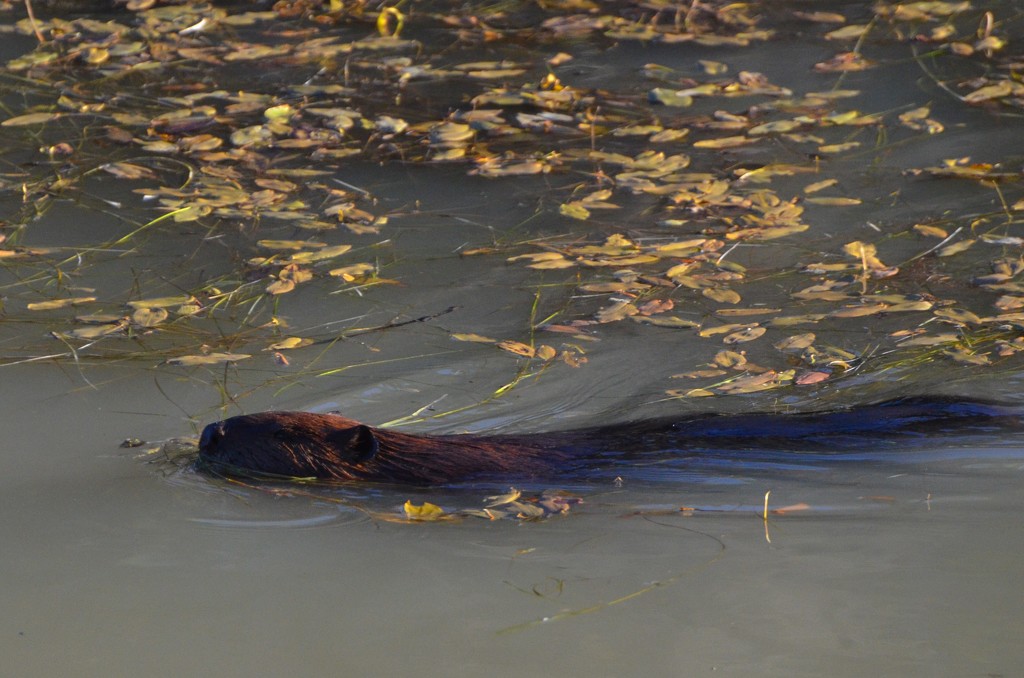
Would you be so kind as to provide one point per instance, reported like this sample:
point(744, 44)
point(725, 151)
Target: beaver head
point(331, 447)
point(289, 444)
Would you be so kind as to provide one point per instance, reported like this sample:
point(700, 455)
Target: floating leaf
point(955, 248)
point(820, 185)
point(289, 244)
point(574, 210)
point(96, 331)
point(858, 311)
point(675, 248)
point(545, 352)
point(161, 302)
point(723, 142)
point(744, 312)
point(59, 303)
point(669, 97)
point(700, 374)
point(796, 342)
point(999, 90)
point(290, 343)
point(425, 511)
point(745, 335)
point(958, 315)
point(664, 321)
point(777, 127)
point(931, 340)
point(931, 231)
point(127, 170)
point(479, 338)
point(517, 348)
point(149, 317)
point(617, 311)
point(963, 356)
point(30, 119)
point(352, 272)
point(319, 255)
point(538, 256)
point(722, 294)
point(757, 382)
point(811, 377)
point(281, 287)
point(835, 202)
point(502, 499)
point(849, 32)
point(209, 359)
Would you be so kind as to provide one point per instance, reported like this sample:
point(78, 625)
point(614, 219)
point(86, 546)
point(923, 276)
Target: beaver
point(332, 447)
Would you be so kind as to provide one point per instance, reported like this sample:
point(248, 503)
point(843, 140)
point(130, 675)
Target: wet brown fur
point(329, 446)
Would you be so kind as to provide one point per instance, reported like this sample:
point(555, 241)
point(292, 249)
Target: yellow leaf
point(955, 248)
point(537, 256)
point(699, 374)
point(796, 342)
point(743, 312)
point(289, 244)
point(680, 269)
point(552, 264)
point(819, 185)
point(850, 32)
point(149, 317)
point(723, 142)
point(617, 311)
point(757, 382)
point(839, 148)
point(834, 202)
point(958, 315)
point(96, 331)
point(686, 245)
point(352, 272)
point(517, 348)
point(59, 303)
point(776, 127)
point(858, 311)
point(574, 210)
point(1001, 89)
point(425, 511)
point(29, 119)
point(209, 359)
point(502, 499)
point(319, 255)
point(720, 329)
point(931, 340)
point(161, 302)
point(663, 321)
point(931, 231)
point(744, 335)
point(290, 342)
point(458, 336)
point(281, 287)
point(722, 294)
point(545, 352)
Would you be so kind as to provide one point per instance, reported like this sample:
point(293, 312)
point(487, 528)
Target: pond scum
point(141, 96)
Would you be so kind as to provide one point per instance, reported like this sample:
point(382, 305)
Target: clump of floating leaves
point(232, 125)
point(512, 505)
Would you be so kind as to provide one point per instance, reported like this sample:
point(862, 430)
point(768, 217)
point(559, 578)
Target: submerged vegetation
point(231, 125)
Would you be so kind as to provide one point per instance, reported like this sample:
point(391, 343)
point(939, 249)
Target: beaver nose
point(211, 437)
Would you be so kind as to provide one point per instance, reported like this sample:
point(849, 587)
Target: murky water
point(875, 561)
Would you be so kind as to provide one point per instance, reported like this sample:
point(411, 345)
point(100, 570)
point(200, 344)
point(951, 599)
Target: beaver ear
point(358, 442)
